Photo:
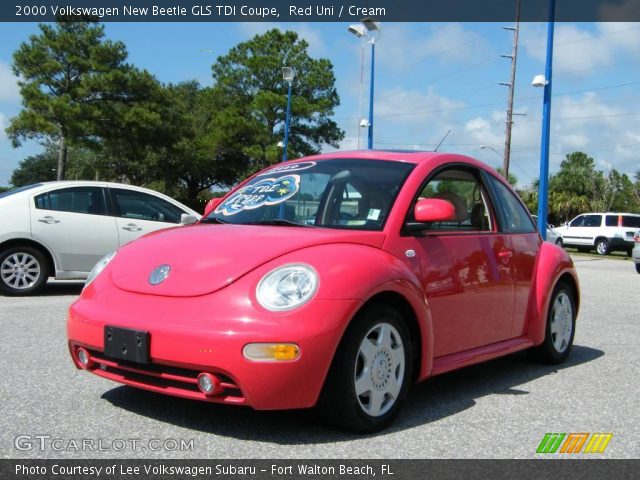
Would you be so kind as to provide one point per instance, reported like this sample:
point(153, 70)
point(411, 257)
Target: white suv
point(606, 232)
point(62, 229)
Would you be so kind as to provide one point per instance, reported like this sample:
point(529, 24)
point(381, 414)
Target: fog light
point(271, 352)
point(209, 384)
point(84, 359)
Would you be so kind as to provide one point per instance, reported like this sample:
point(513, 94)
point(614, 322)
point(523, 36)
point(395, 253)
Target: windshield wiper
point(278, 221)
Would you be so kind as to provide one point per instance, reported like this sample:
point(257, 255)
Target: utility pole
point(512, 87)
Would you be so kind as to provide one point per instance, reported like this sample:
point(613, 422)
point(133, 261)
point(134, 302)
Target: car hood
point(206, 258)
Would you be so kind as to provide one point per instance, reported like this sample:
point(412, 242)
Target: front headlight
point(98, 267)
point(287, 287)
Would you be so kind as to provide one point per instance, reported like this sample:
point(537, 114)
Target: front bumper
point(190, 335)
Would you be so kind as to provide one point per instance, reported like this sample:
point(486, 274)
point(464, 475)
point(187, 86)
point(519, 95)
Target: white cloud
point(579, 50)
point(402, 46)
point(3, 125)
point(9, 91)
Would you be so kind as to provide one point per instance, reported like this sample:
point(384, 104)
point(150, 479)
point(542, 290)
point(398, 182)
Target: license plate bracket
point(126, 344)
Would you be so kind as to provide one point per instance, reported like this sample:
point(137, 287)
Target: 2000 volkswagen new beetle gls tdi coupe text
point(335, 280)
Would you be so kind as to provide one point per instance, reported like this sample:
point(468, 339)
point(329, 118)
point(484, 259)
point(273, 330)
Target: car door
point(591, 229)
point(138, 213)
point(514, 220)
point(575, 233)
point(74, 223)
point(465, 266)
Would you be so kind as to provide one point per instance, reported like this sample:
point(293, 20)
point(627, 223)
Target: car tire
point(560, 328)
point(370, 373)
point(602, 246)
point(559, 243)
point(23, 270)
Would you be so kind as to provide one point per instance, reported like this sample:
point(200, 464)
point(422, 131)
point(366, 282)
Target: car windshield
point(18, 190)
point(340, 193)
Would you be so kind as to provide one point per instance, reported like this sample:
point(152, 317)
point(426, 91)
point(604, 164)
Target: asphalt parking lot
point(501, 409)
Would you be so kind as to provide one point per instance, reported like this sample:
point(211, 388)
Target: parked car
point(552, 235)
point(606, 232)
point(636, 251)
point(437, 265)
point(62, 229)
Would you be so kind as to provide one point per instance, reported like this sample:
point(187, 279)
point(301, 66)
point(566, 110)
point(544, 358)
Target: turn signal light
point(271, 352)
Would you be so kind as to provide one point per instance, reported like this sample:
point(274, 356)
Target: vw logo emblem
point(159, 274)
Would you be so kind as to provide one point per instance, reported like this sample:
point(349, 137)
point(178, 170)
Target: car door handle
point(132, 227)
point(48, 220)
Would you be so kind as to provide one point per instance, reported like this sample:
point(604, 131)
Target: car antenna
point(442, 141)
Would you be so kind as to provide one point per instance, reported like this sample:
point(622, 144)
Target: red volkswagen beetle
point(335, 280)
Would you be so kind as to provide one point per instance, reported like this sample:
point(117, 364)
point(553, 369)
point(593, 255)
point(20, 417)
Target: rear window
point(631, 221)
point(18, 190)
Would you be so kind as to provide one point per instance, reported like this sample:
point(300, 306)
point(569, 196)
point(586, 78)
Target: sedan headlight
point(287, 287)
point(98, 267)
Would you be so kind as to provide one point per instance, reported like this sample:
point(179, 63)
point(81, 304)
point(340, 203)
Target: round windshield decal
point(293, 167)
point(269, 191)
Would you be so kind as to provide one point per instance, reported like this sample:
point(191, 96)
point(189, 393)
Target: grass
point(611, 256)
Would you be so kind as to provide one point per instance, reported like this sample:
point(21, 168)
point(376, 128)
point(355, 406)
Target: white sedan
point(62, 229)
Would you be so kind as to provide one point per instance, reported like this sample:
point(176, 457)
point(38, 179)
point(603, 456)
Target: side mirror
point(211, 205)
point(429, 210)
point(187, 219)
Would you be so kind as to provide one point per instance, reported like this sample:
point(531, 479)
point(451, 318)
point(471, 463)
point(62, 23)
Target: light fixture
point(287, 74)
point(539, 81)
point(357, 29)
point(364, 123)
point(370, 24)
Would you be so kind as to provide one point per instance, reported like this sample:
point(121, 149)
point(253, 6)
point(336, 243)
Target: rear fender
point(552, 263)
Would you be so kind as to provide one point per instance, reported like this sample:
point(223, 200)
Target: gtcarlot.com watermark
point(44, 443)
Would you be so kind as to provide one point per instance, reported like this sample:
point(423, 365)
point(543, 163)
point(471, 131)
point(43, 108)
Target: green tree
point(35, 168)
point(573, 189)
point(68, 74)
point(249, 77)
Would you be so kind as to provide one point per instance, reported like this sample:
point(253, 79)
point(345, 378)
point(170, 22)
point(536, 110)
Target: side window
point(611, 220)
point(514, 216)
point(142, 206)
point(88, 200)
point(630, 221)
point(577, 222)
point(463, 190)
point(592, 220)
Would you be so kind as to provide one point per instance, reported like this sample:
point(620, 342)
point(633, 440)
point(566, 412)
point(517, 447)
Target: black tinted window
point(592, 220)
point(578, 221)
point(89, 200)
point(513, 215)
point(142, 206)
point(630, 221)
point(611, 221)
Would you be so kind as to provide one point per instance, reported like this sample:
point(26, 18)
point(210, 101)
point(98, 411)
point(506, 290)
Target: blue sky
point(430, 78)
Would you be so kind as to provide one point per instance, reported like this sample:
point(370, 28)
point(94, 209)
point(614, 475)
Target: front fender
point(552, 263)
point(359, 272)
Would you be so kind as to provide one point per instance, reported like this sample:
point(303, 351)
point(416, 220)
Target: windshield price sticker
point(269, 191)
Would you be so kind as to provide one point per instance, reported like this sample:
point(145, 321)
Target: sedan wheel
point(369, 376)
point(23, 270)
point(379, 371)
point(561, 322)
point(559, 242)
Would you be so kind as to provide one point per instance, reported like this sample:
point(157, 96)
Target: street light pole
point(543, 190)
point(373, 60)
point(286, 124)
